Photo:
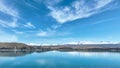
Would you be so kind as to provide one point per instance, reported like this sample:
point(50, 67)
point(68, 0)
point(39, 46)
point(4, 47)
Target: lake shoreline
point(66, 47)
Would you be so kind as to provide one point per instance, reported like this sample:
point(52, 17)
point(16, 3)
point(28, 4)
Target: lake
point(59, 59)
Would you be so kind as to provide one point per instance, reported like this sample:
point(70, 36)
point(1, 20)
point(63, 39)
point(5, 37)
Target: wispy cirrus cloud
point(29, 25)
point(10, 11)
point(42, 34)
point(51, 33)
point(14, 17)
point(18, 32)
point(79, 9)
point(46, 33)
point(55, 26)
point(52, 2)
point(12, 24)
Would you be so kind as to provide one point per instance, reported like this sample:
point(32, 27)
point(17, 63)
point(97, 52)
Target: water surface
point(57, 59)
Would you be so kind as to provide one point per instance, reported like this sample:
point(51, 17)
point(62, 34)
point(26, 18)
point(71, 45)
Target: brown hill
point(13, 46)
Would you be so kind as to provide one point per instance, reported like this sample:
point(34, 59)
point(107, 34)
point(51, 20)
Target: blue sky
point(59, 21)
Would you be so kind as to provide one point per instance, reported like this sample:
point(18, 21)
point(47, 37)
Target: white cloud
point(93, 42)
point(8, 10)
point(33, 44)
point(52, 2)
point(12, 24)
point(18, 32)
point(46, 33)
point(42, 33)
point(55, 26)
point(51, 32)
point(30, 5)
point(78, 9)
point(29, 25)
point(102, 3)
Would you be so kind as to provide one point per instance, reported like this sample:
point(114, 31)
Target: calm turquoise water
point(56, 59)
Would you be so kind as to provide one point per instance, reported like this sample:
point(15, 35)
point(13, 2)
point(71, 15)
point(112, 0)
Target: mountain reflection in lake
point(57, 59)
